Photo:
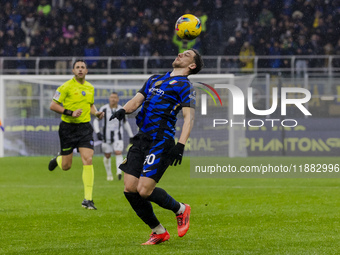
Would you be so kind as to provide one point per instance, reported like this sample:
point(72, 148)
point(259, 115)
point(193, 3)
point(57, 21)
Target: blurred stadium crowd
point(146, 28)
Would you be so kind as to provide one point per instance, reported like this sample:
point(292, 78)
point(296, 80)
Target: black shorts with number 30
point(74, 135)
point(147, 157)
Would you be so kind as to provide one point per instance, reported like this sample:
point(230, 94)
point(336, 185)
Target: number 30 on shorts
point(149, 159)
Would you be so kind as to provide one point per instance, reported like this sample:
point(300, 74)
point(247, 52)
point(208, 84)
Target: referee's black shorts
point(75, 135)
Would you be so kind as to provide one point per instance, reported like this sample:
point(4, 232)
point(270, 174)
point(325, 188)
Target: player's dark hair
point(114, 92)
point(79, 60)
point(198, 61)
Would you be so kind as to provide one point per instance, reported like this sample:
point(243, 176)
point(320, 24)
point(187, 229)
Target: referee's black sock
point(163, 199)
point(143, 209)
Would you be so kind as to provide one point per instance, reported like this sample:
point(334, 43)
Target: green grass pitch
point(41, 213)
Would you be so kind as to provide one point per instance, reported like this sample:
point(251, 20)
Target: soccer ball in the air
point(188, 27)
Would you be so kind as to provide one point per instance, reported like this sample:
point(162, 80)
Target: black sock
point(143, 209)
point(163, 199)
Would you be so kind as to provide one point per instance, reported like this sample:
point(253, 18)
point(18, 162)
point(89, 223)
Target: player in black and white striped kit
point(112, 135)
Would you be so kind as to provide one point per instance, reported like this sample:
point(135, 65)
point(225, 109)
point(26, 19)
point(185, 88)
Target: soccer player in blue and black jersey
point(154, 149)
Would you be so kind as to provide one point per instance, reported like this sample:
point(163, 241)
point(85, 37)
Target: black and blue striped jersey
point(164, 98)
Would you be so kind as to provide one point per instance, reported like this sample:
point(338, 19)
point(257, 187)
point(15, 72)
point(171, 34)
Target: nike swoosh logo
point(145, 171)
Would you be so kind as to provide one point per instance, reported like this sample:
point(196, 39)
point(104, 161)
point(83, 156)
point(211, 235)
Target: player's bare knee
point(130, 189)
point(144, 192)
point(87, 161)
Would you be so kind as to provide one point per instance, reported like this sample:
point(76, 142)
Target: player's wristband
point(68, 112)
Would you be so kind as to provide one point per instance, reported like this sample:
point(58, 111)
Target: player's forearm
point(188, 124)
point(133, 104)
point(128, 128)
point(93, 110)
point(186, 130)
point(56, 107)
point(96, 126)
point(130, 107)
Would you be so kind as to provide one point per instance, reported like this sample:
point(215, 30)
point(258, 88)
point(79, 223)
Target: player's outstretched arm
point(176, 153)
point(189, 117)
point(131, 106)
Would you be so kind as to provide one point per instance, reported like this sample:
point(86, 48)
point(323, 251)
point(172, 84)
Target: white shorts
point(111, 147)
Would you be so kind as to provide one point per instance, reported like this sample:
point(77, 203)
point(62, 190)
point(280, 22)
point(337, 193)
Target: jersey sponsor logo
point(56, 95)
point(156, 91)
